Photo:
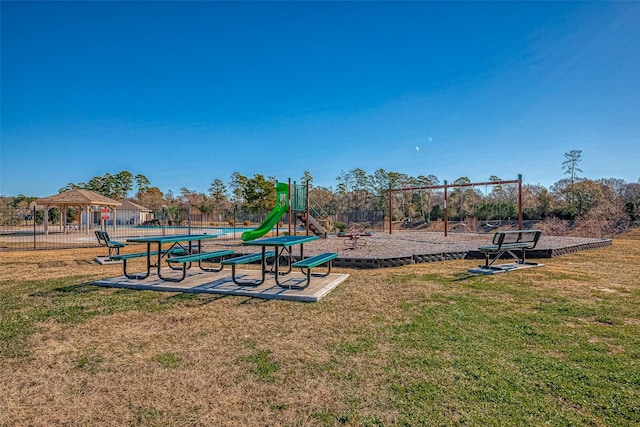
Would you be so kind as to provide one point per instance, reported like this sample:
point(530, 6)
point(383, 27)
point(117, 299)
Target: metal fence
point(373, 219)
point(25, 230)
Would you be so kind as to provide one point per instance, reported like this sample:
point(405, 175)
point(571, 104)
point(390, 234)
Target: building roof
point(128, 204)
point(77, 197)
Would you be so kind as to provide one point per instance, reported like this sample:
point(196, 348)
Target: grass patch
point(262, 364)
point(419, 345)
point(89, 361)
point(529, 363)
point(64, 301)
point(168, 360)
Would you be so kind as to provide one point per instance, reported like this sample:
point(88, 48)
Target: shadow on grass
point(195, 298)
point(460, 277)
point(81, 288)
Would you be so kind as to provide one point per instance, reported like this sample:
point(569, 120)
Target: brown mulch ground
point(403, 243)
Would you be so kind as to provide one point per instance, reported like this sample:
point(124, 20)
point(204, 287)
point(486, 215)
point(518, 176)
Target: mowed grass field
point(421, 345)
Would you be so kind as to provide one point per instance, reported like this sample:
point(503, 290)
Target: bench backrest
point(519, 236)
point(103, 237)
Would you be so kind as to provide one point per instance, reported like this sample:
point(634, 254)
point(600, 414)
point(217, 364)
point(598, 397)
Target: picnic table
point(180, 245)
point(283, 248)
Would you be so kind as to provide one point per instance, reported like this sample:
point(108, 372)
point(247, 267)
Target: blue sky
point(186, 92)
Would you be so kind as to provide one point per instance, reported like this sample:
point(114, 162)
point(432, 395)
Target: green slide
point(282, 206)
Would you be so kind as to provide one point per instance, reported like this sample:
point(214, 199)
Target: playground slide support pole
point(289, 209)
point(306, 204)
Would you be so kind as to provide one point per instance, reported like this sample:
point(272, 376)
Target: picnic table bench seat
point(246, 259)
point(307, 264)
point(202, 256)
point(123, 257)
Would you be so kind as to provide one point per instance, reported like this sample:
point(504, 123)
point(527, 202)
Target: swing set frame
point(457, 185)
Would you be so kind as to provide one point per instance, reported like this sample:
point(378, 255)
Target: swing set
point(458, 186)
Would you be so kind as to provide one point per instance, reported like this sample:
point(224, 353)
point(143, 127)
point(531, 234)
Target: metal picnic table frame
point(176, 243)
point(281, 244)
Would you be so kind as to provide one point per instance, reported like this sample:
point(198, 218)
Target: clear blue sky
point(184, 93)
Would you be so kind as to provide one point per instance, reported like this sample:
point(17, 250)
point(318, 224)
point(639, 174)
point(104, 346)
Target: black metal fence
point(25, 229)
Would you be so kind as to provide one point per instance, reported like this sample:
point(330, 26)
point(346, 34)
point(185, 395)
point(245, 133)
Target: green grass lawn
point(422, 345)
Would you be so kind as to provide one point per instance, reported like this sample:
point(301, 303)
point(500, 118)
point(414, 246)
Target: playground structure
point(457, 185)
point(294, 201)
point(301, 210)
point(282, 207)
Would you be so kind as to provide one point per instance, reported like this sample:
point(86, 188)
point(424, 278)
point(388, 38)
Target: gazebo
point(84, 201)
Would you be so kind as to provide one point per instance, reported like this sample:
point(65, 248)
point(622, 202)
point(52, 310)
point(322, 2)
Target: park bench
point(246, 259)
point(307, 264)
point(512, 243)
point(104, 240)
point(202, 256)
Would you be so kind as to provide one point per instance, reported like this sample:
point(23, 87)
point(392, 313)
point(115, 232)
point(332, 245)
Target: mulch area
point(413, 245)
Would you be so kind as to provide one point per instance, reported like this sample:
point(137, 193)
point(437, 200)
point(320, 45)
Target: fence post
point(33, 217)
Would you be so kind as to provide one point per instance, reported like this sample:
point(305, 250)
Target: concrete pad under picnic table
point(220, 283)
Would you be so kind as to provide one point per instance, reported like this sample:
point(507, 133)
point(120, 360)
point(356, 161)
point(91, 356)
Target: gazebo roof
point(77, 197)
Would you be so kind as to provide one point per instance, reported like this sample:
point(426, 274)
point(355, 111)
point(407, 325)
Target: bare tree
point(570, 165)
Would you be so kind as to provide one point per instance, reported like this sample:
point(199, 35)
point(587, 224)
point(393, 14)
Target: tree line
point(571, 198)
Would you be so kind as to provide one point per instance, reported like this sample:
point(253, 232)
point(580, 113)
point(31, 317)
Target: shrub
point(553, 226)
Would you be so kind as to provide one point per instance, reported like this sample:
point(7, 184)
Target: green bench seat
point(202, 256)
point(246, 259)
point(315, 261)
point(123, 257)
point(198, 257)
point(307, 264)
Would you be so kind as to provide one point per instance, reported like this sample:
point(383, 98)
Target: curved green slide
point(282, 206)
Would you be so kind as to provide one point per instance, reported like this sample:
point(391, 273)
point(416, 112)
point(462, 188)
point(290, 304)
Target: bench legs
point(209, 269)
point(519, 259)
point(308, 273)
point(186, 266)
point(135, 276)
point(247, 283)
point(263, 271)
